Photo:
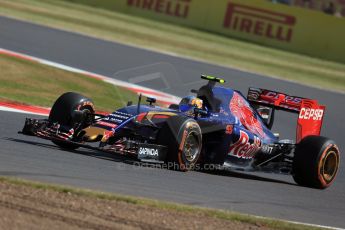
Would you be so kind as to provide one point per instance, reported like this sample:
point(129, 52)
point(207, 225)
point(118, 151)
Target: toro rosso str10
point(218, 126)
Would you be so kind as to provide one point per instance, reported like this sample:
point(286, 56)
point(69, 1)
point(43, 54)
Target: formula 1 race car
point(218, 126)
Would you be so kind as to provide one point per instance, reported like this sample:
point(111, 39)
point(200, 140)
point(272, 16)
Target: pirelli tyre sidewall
point(183, 138)
point(64, 106)
point(316, 162)
point(62, 112)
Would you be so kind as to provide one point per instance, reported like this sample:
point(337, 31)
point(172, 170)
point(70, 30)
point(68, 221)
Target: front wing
point(145, 152)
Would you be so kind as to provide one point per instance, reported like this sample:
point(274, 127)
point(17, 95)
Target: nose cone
point(93, 134)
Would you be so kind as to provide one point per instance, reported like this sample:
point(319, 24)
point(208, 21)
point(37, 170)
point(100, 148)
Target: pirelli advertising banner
point(276, 25)
point(185, 12)
point(280, 26)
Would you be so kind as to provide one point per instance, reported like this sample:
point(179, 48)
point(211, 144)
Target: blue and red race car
point(217, 127)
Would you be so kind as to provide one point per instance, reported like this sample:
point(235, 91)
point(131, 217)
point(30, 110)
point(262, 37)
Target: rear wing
point(274, 99)
point(310, 116)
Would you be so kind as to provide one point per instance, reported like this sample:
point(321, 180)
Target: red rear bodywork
point(310, 119)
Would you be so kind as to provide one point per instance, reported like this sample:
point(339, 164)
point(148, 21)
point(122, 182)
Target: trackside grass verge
point(148, 205)
point(33, 83)
point(180, 40)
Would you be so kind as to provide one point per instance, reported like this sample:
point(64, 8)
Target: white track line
point(9, 109)
point(301, 223)
point(160, 96)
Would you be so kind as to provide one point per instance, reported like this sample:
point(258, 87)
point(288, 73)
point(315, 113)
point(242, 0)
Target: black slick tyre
point(183, 138)
point(62, 113)
point(316, 162)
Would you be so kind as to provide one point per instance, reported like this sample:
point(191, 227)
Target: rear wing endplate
point(310, 119)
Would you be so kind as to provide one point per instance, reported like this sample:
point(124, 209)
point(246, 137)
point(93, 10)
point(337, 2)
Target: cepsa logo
point(174, 8)
point(311, 114)
point(259, 22)
point(289, 99)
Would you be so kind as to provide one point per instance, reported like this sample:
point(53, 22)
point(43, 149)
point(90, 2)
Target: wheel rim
point(88, 120)
point(330, 165)
point(191, 147)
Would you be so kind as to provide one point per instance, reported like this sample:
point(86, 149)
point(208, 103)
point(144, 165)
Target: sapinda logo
point(148, 151)
point(174, 8)
point(259, 22)
point(311, 114)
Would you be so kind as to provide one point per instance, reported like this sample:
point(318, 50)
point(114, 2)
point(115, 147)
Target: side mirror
point(194, 91)
point(200, 112)
point(266, 114)
point(174, 107)
point(151, 100)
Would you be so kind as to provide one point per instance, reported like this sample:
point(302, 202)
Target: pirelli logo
point(259, 22)
point(174, 8)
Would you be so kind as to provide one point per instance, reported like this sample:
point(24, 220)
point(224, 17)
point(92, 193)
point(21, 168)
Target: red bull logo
point(241, 109)
point(243, 148)
point(174, 8)
point(259, 22)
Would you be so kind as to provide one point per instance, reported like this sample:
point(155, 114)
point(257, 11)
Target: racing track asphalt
point(254, 193)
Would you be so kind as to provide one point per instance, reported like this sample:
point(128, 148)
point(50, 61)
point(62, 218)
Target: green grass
point(180, 40)
point(220, 214)
point(32, 83)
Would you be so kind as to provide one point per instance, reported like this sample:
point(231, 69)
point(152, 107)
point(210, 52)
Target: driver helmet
point(188, 104)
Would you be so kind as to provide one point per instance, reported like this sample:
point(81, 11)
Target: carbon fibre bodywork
point(232, 132)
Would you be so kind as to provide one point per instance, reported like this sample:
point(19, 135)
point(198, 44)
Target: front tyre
point(183, 139)
point(62, 113)
point(316, 162)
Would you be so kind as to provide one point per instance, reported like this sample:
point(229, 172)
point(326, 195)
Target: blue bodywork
point(240, 131)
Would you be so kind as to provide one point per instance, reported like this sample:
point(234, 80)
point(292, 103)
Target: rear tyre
point(316, 162)
point(183, 139)
point(62, 113)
